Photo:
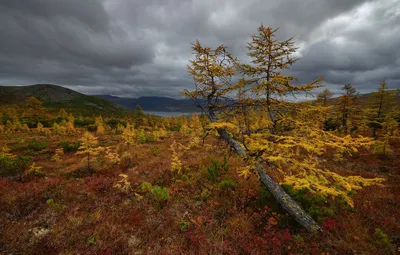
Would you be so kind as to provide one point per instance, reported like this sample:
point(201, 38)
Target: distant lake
point(169, 114)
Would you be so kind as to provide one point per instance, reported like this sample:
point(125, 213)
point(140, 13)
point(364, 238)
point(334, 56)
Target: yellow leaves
point(225, 125)
point(111, 157)
point(123, 185)
point(245, 171)
point(5, 149)
point(128, 134)
point(339, 186)
point(39, 127)
point(34, 170)
point(57, 156)
point(88, 141)
point(176, 164)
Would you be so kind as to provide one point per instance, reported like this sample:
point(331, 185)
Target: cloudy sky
point(140, 47)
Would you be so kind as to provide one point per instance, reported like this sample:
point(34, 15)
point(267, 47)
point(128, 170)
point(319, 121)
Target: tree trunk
point(287, 203)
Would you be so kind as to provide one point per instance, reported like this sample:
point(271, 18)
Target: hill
point(164, 104)
point(56, 97)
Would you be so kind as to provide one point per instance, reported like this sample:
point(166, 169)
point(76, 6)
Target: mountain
point(162, 104)
point(56, 97)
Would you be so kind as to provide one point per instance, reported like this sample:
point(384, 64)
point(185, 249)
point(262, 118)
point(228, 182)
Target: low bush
point(70, 147)
point(11, 165)
point(318, 207)
point(113, 123)
point(83, 122)
point(217, 169)
point(382, 239)
point(227, 184)
point(160, 194)
point(36, 145)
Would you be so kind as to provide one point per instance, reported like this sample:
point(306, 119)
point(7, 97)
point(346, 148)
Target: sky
point(133, 48)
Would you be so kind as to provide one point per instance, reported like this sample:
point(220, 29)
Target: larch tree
point(62, 113)
point(269, 58)
point(348, 108)
point(40, 128)
point(196, 129)
point(70, 125)
point(89, 147)
point(129, 134)
point(100, 125)
point(283, 139)
point(382, 103)
point(212, 71)
point(390, 132)
point(324, 96)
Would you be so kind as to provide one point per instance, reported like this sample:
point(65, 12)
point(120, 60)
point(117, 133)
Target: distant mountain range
point(160, 104)
point(56, 97)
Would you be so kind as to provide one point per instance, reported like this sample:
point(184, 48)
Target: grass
point(211, 210)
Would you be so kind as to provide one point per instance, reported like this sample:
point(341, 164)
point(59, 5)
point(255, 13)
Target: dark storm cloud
point(141, 47)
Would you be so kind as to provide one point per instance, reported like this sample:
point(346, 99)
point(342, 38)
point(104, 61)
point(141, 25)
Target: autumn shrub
point(35, 171)
point(70, 147)
point(205, 194)
point(382, 239)
point(316, 206)
point(83, 122)
point(149, 140)
point(155, 151)
point(113, 123)
point(160, 194)
point(123, 184)
point(217, 169)
point(227, 184)
point(36, 145)
point(146, 187)
point(330, 124)
point(11, 165)
point(183, 224)
point(52, 204)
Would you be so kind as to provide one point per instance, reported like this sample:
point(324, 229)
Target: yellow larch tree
point(129, 134)
point(40, 128)
point(288, 142)
point(57, 155)
point(100, 125)
point(89, 147)
point(176, 164)
point(196, 129)
point(70, 125)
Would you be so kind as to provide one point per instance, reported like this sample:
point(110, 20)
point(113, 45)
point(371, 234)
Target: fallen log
point(283, 199)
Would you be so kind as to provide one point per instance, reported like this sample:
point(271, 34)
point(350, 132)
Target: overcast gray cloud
point(141, 47)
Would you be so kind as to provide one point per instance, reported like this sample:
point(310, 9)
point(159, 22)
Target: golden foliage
point(57, 155)
point(289, 136)
point(176, 164)
point(123, 185)
point(129, 134)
